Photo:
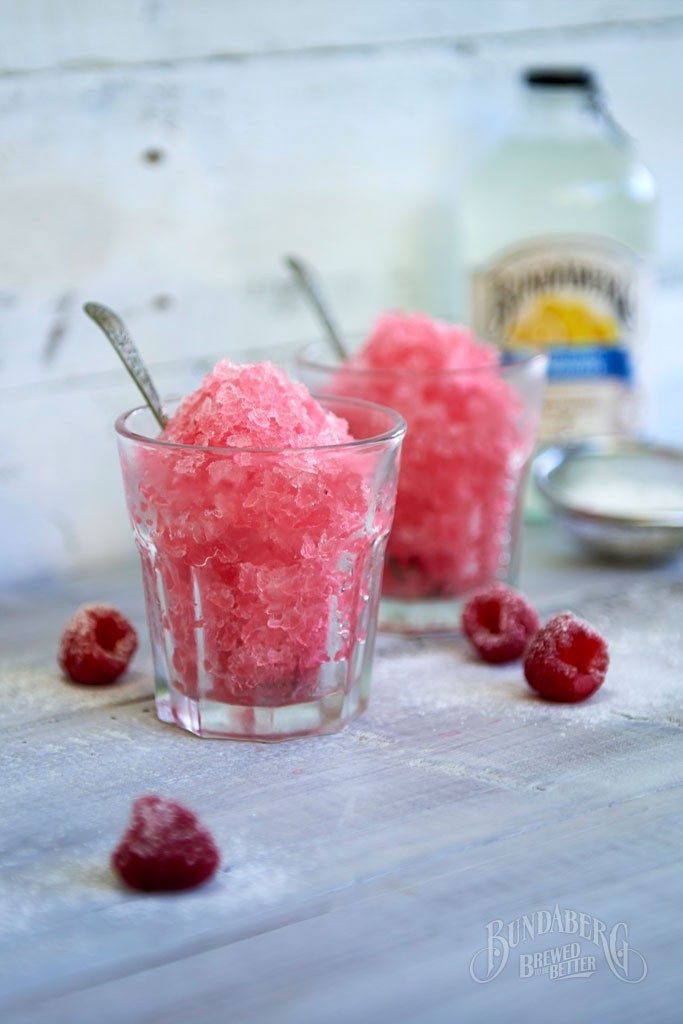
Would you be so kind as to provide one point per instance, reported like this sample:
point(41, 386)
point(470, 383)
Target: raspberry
point(164, 848)
point(498, 622)
point(567, 660)
point(97, 644)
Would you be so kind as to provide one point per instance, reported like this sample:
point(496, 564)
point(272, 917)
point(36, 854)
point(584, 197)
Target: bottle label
point(578, 298)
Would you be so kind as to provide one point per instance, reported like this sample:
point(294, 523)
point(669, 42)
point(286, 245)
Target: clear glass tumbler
point(262, 572)
point(471, 435)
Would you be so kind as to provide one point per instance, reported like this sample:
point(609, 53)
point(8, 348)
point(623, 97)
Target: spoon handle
point(305, 281)
point(117, 333)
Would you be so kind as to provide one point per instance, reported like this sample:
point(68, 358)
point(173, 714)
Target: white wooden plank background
point(338, 130)
point(360, 869)
point(72, 33)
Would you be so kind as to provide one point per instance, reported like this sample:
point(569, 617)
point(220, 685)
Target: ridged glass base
point(426, 616)
point(213, 719)
point(420, 617)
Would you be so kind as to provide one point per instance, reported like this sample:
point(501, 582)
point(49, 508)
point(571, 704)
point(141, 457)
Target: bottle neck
point(562, 112)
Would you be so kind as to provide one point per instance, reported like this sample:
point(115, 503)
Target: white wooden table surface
point(360, 870)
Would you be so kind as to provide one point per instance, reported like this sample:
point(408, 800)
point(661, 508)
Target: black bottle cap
point(560, 78)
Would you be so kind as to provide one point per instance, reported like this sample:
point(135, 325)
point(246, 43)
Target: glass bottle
point(558, 226)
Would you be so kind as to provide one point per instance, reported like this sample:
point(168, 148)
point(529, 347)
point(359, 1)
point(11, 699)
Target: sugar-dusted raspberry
point(499, 622)
point(164, 848)
point(567, 660)
point(97, 644)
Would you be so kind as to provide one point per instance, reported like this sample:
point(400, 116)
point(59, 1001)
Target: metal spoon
point(117, 333)
point(305, 280)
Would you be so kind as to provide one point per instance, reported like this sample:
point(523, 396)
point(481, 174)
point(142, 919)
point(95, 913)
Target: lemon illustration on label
point(550, 319)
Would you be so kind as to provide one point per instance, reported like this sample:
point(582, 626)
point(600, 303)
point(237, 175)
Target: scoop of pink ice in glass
point(472, 416)
point(261, 517)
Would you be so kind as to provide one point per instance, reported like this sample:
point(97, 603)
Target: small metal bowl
point(621, 498)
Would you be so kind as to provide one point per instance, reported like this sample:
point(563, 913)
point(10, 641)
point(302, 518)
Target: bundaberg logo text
point(588, 939)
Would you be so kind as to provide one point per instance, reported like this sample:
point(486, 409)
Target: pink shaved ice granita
point(259, 540)
point(463, 458)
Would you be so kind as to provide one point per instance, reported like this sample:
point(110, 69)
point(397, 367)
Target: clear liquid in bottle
point(558, 233)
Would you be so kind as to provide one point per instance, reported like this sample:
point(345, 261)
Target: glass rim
point(528, 356)
point(396, 432)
